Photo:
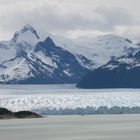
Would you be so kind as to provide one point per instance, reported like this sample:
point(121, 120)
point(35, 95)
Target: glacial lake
point(97, 127)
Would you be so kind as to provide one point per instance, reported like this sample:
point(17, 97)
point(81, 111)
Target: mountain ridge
point(32, 59)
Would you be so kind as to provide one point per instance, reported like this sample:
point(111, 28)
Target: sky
point(72, 18)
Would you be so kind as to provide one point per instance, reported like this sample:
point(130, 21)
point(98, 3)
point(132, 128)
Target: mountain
point(42, 66)
point(119, 72)
point(97, 50)
point(32, 58)
point(51, 64)
point(27, 34)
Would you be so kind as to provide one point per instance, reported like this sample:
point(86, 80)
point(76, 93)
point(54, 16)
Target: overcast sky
point(72, 18)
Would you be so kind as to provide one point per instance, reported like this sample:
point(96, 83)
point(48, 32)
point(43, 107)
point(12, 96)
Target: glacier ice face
point(18, 98)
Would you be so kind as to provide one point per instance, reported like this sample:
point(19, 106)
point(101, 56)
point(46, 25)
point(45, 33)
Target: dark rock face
point(6, 114)
point(117, 78)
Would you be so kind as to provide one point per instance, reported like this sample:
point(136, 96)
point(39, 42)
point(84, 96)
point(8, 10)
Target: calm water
point(115, 127)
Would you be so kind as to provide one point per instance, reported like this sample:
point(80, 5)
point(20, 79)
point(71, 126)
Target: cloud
point(115, 16)
point(71, 18)
point(132, 32)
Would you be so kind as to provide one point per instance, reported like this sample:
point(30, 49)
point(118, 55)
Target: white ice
point(31, 97)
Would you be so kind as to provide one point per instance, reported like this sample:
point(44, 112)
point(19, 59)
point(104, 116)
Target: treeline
point(88, 111)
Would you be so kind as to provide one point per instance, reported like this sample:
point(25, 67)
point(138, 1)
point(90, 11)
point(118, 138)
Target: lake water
point(108, 127)
point(38, 97)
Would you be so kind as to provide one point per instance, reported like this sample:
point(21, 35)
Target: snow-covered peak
point(27, 27)
point(99, 50)
point(114, 39)
point(30, 28)
point(27, 34)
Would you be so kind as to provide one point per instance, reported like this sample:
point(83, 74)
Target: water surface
point(113, 127)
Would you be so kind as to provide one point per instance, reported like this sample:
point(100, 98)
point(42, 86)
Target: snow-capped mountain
point(119, 72)
point(30, 57)
point(98, 50)
point(25, 39)
point(26, 35)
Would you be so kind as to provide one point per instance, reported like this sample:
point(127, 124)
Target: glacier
point(41, 97)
